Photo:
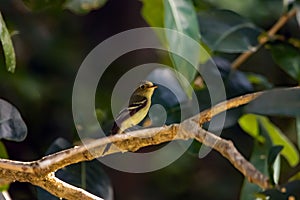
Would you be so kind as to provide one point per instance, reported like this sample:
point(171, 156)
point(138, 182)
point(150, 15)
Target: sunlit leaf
point(83, 6)
point(287, 57)
point(278, 138)
point(8, 48)
point(226, 31)
point(259, 81)
point(295, 177)
point(3, 152)
point(283, 102)
point(249, 124)
point(87, 175)
point(273, 165)
point(181, 16)
point(153, 12)
point(12, 126)
point(4, 188)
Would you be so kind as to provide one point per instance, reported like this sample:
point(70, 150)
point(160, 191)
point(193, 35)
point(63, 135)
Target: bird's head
point(146, 88)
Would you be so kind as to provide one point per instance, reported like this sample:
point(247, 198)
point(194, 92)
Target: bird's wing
point(127, 112)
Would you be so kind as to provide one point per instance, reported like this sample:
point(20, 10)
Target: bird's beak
point(154, 86)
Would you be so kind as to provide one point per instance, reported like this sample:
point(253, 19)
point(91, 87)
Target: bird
point(138, 107)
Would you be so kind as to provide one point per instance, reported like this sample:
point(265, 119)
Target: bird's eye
point(143, 87)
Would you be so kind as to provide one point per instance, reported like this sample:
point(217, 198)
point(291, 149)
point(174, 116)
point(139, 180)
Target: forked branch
point(41, 172)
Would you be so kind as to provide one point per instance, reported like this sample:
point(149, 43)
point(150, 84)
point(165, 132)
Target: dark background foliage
point(50, 44)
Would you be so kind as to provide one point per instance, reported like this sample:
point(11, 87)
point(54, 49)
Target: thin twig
point(263, 40)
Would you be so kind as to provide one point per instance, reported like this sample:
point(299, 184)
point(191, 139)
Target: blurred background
point(50, 44)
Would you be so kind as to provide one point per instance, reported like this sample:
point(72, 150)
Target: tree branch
point(60, 188)
point(264, 39)
point(41, 172)
point(208, 114)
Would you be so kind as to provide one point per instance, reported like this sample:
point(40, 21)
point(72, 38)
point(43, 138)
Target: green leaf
point(235, 81)
point(8, 48)
point(298, 130)
point(258, 125)
point(295, 177)
point(101, 115)
point(259, 81)
point(226, 31)
point(287, 57)
point(273, 153)
point(4, 188)
point(181, 16)
point(278, 138)
point(86, 175)
point(83, 6)
point(259, 160)
point(283, 102)
point(249, 124)
point(273, 164)
point(12, 126)
point(153, 12)
point(3, 152)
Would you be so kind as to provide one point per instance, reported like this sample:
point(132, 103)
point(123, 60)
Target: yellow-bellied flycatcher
point(137, 109)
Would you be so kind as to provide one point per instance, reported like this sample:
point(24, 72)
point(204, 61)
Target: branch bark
point(41, 172)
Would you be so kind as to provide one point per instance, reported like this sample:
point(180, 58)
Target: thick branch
point(142, 138)
point(40, 172)
point(188, 129)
